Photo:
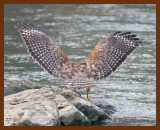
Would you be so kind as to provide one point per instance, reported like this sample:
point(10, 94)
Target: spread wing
point(110, 53)
point(105, 58)
point(45, 51)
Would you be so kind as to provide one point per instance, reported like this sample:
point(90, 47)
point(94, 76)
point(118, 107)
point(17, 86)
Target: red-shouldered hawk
point(108, 54)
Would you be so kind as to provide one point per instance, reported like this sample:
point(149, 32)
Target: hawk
point(106, 57)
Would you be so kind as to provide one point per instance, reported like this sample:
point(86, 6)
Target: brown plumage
point(108, 54)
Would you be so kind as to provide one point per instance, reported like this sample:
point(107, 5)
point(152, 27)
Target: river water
point(77, 29)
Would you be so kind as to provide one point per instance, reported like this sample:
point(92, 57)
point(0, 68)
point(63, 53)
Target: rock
point(68, 113)
point(88, 108)
point(107, 108)
point(34, 107)
point(46, 106)
point(12, 86)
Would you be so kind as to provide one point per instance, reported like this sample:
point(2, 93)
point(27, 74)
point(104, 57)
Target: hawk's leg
point(88, 91)
point(76, 91)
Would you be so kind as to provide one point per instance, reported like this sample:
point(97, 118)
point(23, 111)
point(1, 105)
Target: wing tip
point(128, 36)
point(115, 33)
point(23, 25)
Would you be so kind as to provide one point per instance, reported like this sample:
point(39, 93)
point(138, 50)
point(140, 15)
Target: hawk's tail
point(79, 81)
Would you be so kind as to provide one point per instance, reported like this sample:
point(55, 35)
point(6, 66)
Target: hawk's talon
point(88, 99)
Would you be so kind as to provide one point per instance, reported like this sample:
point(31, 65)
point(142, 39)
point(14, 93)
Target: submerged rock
point(12, 86)
point(49, 107)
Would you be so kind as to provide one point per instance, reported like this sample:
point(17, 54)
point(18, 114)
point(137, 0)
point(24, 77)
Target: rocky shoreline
point(31, 104)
